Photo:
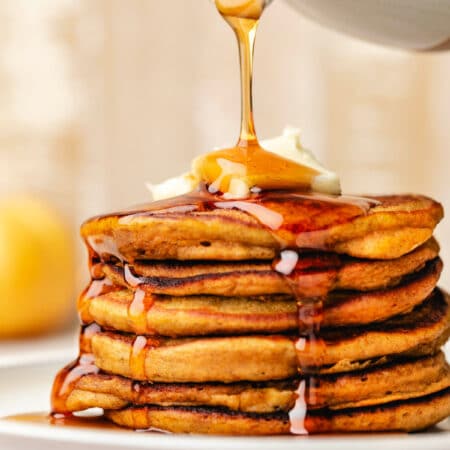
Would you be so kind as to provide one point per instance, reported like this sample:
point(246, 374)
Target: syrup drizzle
point(67, 378)
point(296, 219)
point(247, 165)
point(137, 358)
point(141, 346)
point(141, 304)
point(96, 288)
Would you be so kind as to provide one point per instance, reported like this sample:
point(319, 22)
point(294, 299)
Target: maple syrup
point(137, 358)
point(96, 288)
point(95, 421)
point(296, 219)
point(279, 198)
point(67, 378)
point(247, 165)
point(141, 304)
point(141, 345)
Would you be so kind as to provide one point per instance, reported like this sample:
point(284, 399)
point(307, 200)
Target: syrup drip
point(310, 293)
point(103, 246)
point(138, 354)
point(86, 334)
point(94, 289)
point(141, 304)
point(137, 358)
point(67, 379)
point(99, 287)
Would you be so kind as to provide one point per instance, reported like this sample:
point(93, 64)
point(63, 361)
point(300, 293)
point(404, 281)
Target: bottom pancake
point(409, 415)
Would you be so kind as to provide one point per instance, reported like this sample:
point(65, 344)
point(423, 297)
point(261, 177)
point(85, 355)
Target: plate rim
point(162, 441)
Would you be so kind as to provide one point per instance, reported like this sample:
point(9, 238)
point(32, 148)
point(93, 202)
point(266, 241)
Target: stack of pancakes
point(187, 327)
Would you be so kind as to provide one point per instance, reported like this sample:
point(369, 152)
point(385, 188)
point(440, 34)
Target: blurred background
point(99, 96)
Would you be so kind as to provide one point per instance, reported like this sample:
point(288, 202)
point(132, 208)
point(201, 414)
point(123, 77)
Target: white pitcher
point(410, 24)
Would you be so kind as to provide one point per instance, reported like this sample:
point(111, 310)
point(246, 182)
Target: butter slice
point(287, 145)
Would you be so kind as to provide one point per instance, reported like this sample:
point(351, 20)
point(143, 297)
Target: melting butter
point(287, 146)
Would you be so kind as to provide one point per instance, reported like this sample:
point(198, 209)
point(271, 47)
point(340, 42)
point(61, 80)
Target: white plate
point(56, 347)
point(26, 388)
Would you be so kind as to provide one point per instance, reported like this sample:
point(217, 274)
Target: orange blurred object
point(36, 268)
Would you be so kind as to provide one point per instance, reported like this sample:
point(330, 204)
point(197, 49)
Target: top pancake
point(389, 229)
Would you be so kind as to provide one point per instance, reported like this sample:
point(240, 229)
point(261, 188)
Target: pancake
point(396, 381)
point(407, 415)
point(264, 358)
point(115, 392)
point(206, 315)
point(394, 227)
point(247, 278)
point(405, 334)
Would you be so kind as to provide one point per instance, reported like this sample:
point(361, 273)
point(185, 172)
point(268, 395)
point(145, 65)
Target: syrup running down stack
point(283, 311)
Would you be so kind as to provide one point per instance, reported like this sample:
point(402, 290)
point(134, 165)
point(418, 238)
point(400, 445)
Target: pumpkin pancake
point(400, 380)
point(397, 380)
point(264, 358)
point(407, 334)
point(405, 415)
point(391, 228)
point(203, 315)
point(247, 278)
point(115, 392)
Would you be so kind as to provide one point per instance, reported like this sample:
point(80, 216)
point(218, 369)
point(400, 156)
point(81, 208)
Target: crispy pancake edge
point(409, 415)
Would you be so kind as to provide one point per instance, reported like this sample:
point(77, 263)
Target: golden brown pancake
point(264, 358)
point(248, 278)
point(355, 308)
point(399, 380)
point(389, 230)
point(203, 315)
point(115, 392)
point(408, 333)
point(406, 415)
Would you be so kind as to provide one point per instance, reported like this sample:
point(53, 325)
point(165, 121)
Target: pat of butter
point(287, 145)
point(173, 187)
